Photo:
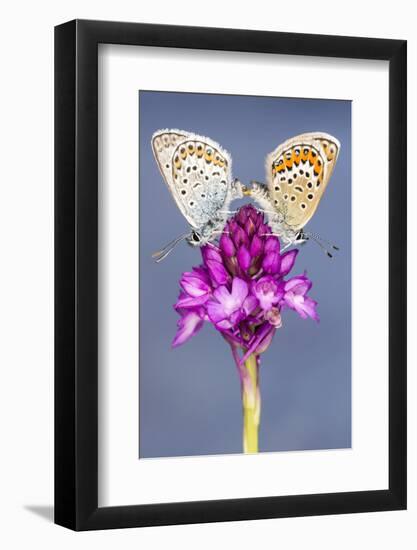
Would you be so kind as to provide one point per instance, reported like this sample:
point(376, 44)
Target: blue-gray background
point(190, 397)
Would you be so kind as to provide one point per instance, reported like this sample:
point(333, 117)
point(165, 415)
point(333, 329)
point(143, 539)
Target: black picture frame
point(76, 272)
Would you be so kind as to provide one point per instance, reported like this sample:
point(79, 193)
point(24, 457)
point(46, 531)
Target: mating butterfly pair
point(198, 172)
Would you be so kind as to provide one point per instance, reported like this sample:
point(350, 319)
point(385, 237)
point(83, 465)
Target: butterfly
point(297, 174)
point(198, 172)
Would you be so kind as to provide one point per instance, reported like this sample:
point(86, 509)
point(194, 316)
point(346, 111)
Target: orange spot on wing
point(289, 162)
point(311, 157)
point(303, 155)
point(208, 156)
point(297, 158)
point(318, 167)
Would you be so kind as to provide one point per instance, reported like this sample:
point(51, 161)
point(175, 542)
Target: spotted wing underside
point(196, 170)
point(297, 174)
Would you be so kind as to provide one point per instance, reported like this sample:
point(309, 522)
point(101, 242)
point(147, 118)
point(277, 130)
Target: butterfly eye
point(196, 237)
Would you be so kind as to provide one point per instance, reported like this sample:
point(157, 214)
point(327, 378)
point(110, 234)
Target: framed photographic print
point(230, 275)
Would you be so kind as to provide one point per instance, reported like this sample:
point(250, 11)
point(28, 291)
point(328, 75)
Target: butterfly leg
point(221, 233)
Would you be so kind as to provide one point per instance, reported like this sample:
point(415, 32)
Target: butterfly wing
point(164, 143)
point(197, 171)
point(297, 174)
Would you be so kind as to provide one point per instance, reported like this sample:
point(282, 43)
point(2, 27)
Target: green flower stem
point(251, 402)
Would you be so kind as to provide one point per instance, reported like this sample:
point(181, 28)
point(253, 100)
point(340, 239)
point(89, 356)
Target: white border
point(123, 479)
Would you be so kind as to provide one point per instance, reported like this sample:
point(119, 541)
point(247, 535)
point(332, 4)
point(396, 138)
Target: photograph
point(244, 274)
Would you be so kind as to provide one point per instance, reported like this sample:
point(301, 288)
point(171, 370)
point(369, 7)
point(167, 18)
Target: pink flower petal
point(188, 326)
point(299, 284)
point(217, 272)
point(271, 263)
point(240, 237)
point(227, 246)
point(210, 252)
point(185, 301)
point(239, 290)
point(221, 294)
point(244, 258)
point(287, 261)
point(216, 311)
point(224, 325)
point(250, 304)
point(194, 285)
point(272, 244)
point(256, 246)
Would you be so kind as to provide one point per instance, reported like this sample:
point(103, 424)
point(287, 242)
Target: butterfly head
point(300, 237)
point(195, 238)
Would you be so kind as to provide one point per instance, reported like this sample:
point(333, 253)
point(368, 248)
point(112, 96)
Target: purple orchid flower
point(295, 291)
point(242, 289)
point(226, 309)
point(268, 292)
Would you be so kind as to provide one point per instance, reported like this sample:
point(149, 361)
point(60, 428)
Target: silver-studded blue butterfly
point(198, 172)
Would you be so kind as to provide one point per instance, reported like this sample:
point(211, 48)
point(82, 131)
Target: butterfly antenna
point(329, 244)
point(312, 237)
point(163, 253)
